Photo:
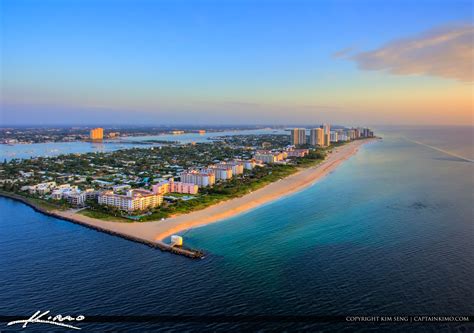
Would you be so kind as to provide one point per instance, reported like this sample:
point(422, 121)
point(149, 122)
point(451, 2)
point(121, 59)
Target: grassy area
point(40, 203)
point(46, 205)
point(103, 216)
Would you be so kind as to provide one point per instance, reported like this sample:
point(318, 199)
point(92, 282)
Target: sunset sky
point(243, 62)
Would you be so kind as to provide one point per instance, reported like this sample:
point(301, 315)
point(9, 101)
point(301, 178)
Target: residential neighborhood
point(142, 183)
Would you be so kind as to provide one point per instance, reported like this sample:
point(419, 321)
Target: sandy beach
point(155, 232)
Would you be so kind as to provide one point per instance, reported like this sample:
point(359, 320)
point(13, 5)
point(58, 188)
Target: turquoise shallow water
point(389, 232)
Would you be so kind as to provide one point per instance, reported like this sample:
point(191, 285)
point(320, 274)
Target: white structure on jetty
point(176, 240)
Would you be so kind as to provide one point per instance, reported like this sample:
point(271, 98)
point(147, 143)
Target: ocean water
point(390, 232)
point(458, 140)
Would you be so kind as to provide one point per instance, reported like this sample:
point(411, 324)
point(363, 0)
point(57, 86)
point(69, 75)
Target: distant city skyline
point(240, 62)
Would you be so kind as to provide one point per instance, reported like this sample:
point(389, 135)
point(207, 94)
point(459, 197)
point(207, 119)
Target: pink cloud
point(446, 52)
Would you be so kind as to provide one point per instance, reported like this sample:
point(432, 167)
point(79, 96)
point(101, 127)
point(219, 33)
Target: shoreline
point(152, 233)
point(157, 244)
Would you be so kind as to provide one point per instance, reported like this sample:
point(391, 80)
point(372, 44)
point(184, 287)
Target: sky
point(236, 62)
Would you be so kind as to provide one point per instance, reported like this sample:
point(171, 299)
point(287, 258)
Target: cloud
point(342, 53)
point(446, 52)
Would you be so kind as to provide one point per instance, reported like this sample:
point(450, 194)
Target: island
point(150, 194)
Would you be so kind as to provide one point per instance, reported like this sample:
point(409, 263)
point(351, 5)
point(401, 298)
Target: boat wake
point(447, 152)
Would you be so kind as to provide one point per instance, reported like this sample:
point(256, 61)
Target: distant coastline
point(153, 233)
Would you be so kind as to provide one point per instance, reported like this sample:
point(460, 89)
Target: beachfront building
point(342, 135)
point(270, 157)
point(357, 133)
point(297, 152)
point(241, 165)
point(72, 194)
point(220, 172)
point(186, 188)
point(249, 164)
point(76, 198)
point(57, 194)
point(170, 186)
point(298, 136)
point(96, 133)
point(327, 134)
point(42, 188)
point(316, 137)
point(334, 136)
point(161, 188)
point(366, 133)
point(91, 194)
point(265, 157)
point(199, 178)
point(351, 134)
point(138, 199)
point(236, 167)
point(61, 191)
point(326, 128)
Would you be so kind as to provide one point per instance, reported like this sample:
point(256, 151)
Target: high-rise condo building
point(298, 136)
point(97, 133)
point(357, 133)
point(327, 134)
point(316, 137)
point(367, 132)
point(351, 134)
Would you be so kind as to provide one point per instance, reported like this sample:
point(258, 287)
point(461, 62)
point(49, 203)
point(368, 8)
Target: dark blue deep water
point(389, 232)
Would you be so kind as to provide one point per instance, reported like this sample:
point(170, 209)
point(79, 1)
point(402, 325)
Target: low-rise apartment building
point(199, 178)
point(270, 157)
point(137, 199)
point(170, 186)
point(297, 152)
